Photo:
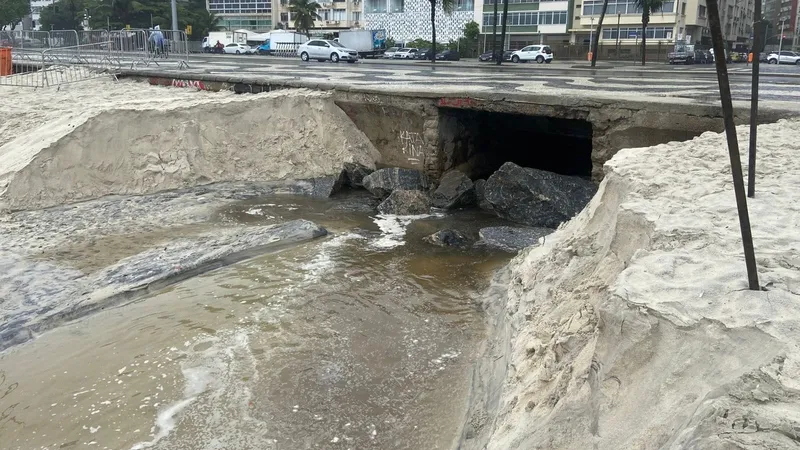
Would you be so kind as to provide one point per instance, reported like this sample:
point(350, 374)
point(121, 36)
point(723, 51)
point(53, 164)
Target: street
point(623, 80)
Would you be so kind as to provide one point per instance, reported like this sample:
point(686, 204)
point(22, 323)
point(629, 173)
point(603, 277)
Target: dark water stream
point(362, 339)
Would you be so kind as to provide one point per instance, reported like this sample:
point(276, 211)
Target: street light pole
point(591, 33)
point(174, 7)
point(780, 43)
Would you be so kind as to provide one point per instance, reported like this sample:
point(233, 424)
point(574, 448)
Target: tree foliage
point(117, 14)
point(12, 11)
point(472, 30)
point(304, 13)
point(63, 15)
point(648, 7)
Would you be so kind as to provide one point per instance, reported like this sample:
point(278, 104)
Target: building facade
point(783, 15)
point(683, 21)
point(334, 15)
point(529, 21)
point(407, 20)
point(255, 15)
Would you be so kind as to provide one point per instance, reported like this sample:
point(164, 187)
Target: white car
point(406, 53)
point(237, 49)
point(323, 50)
point(785, 58)
point(538, 53)
point(389, 53)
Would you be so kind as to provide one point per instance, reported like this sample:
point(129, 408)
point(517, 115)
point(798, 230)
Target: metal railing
point(286, 49)
point(61, 65)
point(95, 51)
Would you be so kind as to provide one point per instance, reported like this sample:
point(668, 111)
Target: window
point(701, 12)
point(397, 6)
point(375, 6)
point(339, 14)
point(528, 18)
point(464, 5)
point(683, 9)
point(284, 17)
point(356, 15)
point(636, 33)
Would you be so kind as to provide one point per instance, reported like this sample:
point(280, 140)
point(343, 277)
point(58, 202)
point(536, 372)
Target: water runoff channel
point(364, 338)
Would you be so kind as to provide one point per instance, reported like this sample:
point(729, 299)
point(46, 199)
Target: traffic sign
point(188, 30)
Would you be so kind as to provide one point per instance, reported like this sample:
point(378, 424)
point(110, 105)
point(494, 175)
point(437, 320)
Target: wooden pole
point(733, 144)
point(751, 162)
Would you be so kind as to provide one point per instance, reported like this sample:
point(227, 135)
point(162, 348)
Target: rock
point(383, 182)
point(536, 197)
point(480, 196)
point(447, 238)
point(405, 203)
point(355, 174)
point(324, 187)
point(455, 191)
point(510, 239)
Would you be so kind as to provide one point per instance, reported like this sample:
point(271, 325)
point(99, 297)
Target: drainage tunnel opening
point(479, 142)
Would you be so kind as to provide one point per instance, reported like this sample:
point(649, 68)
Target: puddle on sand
point(335, 343)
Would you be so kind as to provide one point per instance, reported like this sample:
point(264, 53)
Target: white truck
point(282, 42)
point(365, 42)
point(209, 44)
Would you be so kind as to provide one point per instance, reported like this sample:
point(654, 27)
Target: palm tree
point(597, 34)
point(205, 21)
point(304, 13)
point(447, 7)
point(647, 7)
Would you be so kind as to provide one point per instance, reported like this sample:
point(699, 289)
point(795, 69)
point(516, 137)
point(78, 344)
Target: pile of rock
point(536, 199)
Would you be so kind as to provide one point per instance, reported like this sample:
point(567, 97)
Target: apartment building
point(785, 15)
point(407, 20)
point(335, 15)
point(677, 21)
point(253, 15)
point(529, 21)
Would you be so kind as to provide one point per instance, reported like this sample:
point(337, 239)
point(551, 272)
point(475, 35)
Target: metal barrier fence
point(61, 65)
point(286, 49)
point(99, 51)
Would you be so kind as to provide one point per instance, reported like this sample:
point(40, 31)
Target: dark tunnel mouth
point(478, 142)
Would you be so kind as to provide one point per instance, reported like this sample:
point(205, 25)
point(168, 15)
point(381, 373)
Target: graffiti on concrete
point(457, 102)
point(412, 145)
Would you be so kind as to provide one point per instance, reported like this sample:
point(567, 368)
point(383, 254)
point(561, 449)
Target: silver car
point(323, 50)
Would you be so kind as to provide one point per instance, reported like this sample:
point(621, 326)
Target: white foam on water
point(216, 399)
point(323, 261)
point(393, 229)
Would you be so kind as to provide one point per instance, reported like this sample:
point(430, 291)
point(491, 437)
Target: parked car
point(538, 53)
point(424, 54)
point(234, 48)
point(323, 50)
point(488, 56)
point(784, 58)
point(406, 53)
point(448, 55)
point(389, 53)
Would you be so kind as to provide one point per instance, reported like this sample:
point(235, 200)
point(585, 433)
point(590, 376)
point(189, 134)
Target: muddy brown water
point(363, 339)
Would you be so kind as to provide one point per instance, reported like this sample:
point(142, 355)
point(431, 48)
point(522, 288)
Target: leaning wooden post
point(733, 144)
point(751, 164)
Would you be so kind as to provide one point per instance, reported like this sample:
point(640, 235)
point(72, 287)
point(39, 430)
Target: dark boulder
point(383, 182)
point(324, 187)
point(447, 238)
point(510, 239)
point(406, 203)
point(455, 191)
point(355, 173)
point(536, 197)
point(480, 196)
